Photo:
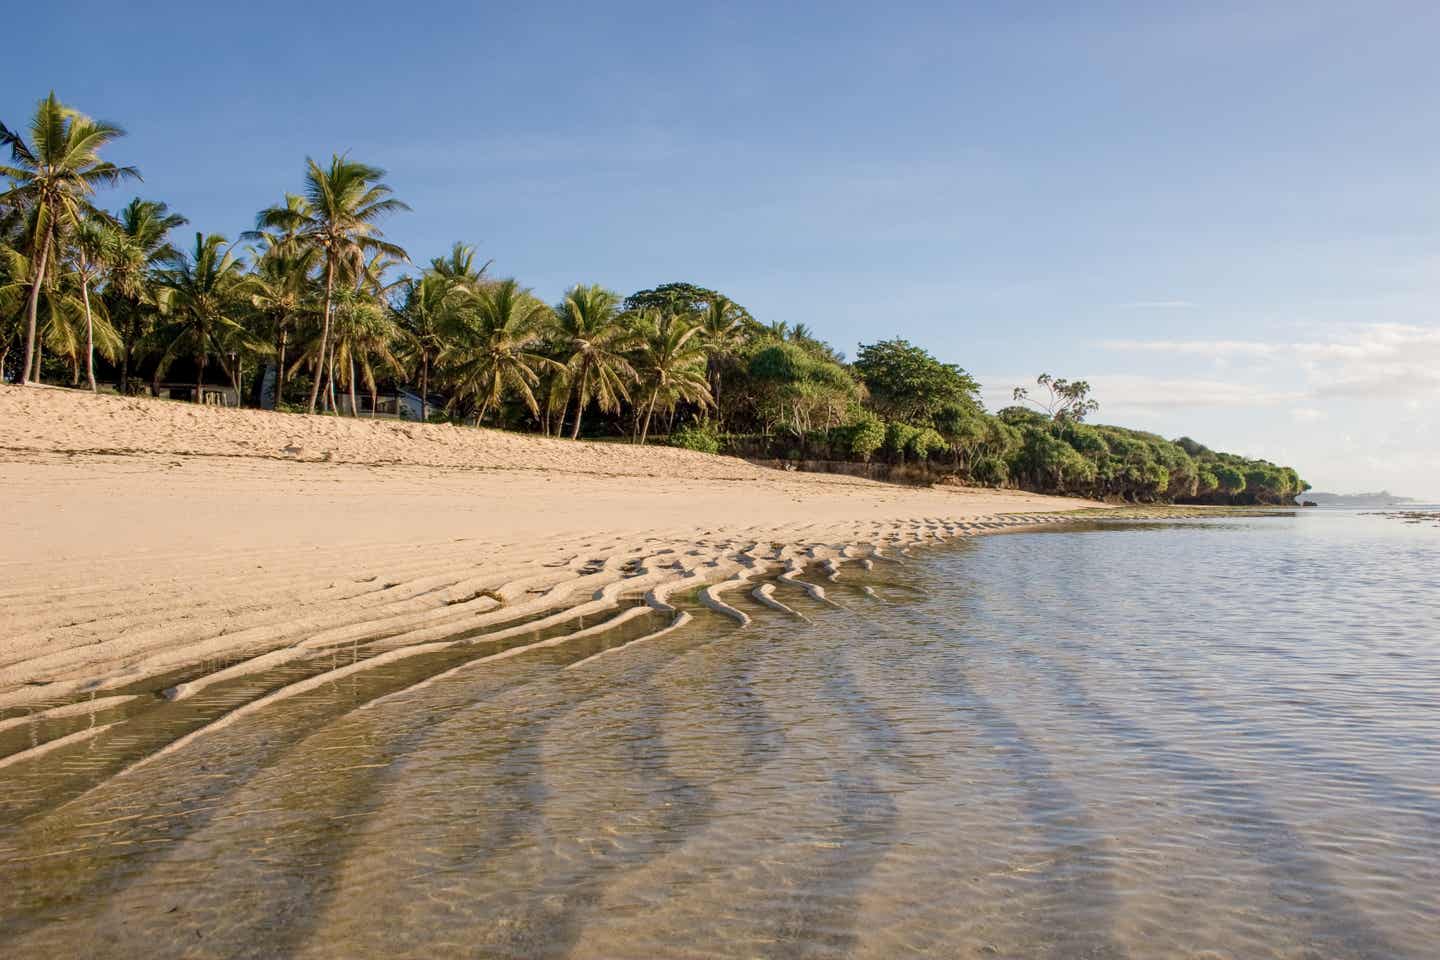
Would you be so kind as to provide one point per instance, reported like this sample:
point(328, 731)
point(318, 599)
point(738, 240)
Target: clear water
point(1194, 739)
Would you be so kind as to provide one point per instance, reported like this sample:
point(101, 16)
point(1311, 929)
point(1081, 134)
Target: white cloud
point(1307, 415)
point(1379, 360)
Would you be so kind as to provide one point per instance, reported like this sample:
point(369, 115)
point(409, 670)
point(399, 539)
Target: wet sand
point(143, 537)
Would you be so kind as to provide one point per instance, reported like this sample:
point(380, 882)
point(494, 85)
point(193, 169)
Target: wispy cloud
point(1370, 360)
point(1156, 305)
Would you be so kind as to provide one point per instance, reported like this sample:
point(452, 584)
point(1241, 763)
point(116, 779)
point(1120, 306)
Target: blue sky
point(1225, 216)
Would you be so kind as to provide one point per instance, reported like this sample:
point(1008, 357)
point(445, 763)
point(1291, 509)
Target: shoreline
point(179, 553)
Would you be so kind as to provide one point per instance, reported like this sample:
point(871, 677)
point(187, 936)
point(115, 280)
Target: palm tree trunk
point(324, 334)
point(424, 388)
point(89, 334)
point(645, 430)
point(33, 310)
point(354, 403)
point(124, 382)
point(280, 364)
point(200, 379)
point(579, 403)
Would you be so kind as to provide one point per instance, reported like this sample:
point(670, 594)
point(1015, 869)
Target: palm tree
point(94, 246)
point(363, 333)
point(283, 268)
point(142, 245)
point(54, 176)
point(423, 317)
point(342, 205)
point(60, 311)
point(459, 266)
point(595, 344)
point(722, 325)
point(494, 335)
point(282, 294)
point(671, 363)
point(209, 291)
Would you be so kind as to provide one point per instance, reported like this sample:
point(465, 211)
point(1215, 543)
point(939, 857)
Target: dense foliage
point(312, 308)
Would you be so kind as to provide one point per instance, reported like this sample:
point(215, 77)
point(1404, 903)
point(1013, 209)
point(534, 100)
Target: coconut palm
point(94, 245)
point(494, 334)
point(283, 270)
point(141, 246)
point(60, 312)
point(670, 362)
point(594, 344)
point(209, 292)
point(362, 335)
point(424, 315)
point(54, 176)
point(722, 325)
point(282, 295)
point(459, 266)
point(342, 205)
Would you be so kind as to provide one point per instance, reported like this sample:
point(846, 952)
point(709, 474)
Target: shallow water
point(1214, 738)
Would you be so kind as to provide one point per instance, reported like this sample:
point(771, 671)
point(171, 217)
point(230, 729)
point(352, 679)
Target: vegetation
point(314, 309)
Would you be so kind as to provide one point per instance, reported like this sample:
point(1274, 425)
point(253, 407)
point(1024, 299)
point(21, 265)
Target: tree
point(494, 334)
point(142, 245)
point(1064, 400)
point(209, 290)
point(54, 176)
point(459, 268)
point(423, 317)
point(342, 205)
point(670, 362)
point(722, 325)
point(795, 388)
point(595, 344)
point(60, 312)
point(907, 383)
point(93, 248)
point(682, 298)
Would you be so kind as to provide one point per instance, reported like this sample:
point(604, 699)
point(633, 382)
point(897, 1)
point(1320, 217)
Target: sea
point(1183, 738)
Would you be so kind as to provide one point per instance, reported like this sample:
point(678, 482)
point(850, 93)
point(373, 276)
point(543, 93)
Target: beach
point(142, 537)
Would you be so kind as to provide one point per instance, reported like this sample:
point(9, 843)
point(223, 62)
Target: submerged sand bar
point(141, 536)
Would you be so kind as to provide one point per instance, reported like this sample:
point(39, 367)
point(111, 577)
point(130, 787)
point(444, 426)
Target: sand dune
point(148, 543)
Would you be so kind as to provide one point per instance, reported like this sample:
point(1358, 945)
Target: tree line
point(314, 304)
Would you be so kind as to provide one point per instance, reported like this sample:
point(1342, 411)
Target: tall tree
point(54, 176)
point(670, 361)
point(142, 245)
point(908, 384)
point(209, 292)
point(342, 206)
point(458, 266)
point(722, 324)
point(94, 246)
point(595, 344)
point(492, 350)
point(425, 312)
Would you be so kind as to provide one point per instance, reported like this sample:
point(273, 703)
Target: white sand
point(139, 536)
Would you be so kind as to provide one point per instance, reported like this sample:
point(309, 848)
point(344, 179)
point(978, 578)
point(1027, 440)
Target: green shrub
point(861, 437)
point(990, 471)
point(924, 443)
point(700, 436)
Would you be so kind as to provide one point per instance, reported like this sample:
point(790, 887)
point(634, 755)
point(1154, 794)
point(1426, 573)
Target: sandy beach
point(144, 536)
